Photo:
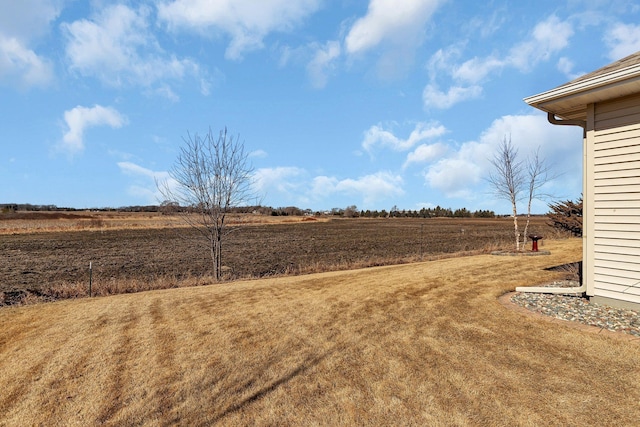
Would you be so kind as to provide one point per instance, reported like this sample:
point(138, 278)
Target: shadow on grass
point(269, 387)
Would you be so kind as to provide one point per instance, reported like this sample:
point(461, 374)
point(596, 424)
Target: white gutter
point(584, 85)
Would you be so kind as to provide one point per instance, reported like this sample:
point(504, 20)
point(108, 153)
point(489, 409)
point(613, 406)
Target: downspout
point(551, 117)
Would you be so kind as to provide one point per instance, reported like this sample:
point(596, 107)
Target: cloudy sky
point(339, 102)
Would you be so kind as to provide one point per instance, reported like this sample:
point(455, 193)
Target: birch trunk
point(515, 227)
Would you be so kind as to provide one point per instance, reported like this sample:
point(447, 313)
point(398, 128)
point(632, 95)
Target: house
point(606, 104)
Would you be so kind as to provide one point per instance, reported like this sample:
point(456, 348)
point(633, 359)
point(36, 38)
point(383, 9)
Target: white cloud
point(565, 66)
point(21, 65)
point(549, 37)
point(259, 154)
point(377, 136)
point(21, 23)
point(28, 19)
point(425, 153)
point(118, 47)
point(129, 168)
point(530, 131)
point(283, 180)
point(205, 87)
point(323, 186)
point(456, 176)
point(623, 40)
point(461, 172)
point(146, 181)
point(165, 91)
point(390, 21)
point(247, 22)
point(489, 25)
point(323, 63)
point(434, 97)
point(81, 118)
point(443, 61)
point(475, 70)
point(292, 185)
point(396, 29)
point(371, 188)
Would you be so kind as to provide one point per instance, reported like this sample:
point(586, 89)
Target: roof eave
point(576, 95)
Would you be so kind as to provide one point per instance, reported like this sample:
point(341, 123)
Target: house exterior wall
point(612, 202)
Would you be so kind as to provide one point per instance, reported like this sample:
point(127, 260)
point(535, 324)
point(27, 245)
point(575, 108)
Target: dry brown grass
point(40, 222)
point(417, 344)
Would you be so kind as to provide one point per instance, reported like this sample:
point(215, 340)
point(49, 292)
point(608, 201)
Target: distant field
point(44, 221)
point(145, 251)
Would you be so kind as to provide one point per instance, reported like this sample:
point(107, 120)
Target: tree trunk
point(515, 226)
point(214, 264)
point(526, 226)
point(216, 255)
point(219, 258)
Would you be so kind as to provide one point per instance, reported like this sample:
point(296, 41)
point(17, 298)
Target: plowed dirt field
point(37, 261)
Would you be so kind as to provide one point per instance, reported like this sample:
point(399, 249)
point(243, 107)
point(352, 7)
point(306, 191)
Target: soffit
point(570, 100)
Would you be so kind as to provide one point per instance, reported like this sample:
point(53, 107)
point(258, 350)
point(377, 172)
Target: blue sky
point(340, 102)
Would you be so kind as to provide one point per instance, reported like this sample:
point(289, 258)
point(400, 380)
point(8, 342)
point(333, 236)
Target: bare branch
point(539, 173)
point(210, 177)
point(507, 179)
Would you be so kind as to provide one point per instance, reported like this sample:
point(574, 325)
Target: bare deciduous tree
point(507, 179)
point(538, 174)
point(351, 211)
point(210, 176)
point(511, 177)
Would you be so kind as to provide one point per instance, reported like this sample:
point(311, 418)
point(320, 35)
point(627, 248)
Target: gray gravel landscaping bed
point(577, 308)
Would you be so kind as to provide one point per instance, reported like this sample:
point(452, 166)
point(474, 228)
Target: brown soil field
point(165, 255)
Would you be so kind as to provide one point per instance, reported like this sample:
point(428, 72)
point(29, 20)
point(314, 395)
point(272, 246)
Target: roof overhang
point(570, 101)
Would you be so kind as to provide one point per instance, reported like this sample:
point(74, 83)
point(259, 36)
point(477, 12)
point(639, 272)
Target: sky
point(372, 103)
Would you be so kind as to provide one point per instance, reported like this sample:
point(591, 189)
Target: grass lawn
point(415, 344)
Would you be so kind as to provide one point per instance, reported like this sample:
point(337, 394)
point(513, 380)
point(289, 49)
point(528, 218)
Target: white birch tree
point(538, 174)
point(511, 177)
point(507, 179)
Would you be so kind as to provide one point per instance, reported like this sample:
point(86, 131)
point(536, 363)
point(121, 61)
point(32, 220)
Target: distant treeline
point(14, 207)
point(26, 207)
point(436, 212)
point(350, 211)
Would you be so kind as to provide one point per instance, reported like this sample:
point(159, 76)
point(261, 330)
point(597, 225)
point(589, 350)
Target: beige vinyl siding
point(616, 199)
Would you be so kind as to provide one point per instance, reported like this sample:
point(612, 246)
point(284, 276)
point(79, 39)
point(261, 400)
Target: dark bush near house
point(567, 216)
